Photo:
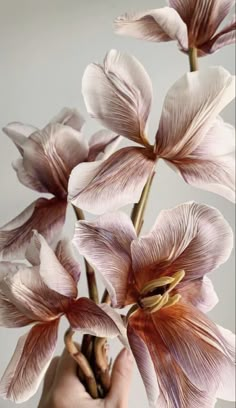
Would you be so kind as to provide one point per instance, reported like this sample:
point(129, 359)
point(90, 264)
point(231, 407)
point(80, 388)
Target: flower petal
point(87, 317)
point(46, 216)
point(10, 316)
point(18, 133)
point(200, 97)
point(163, 24)
point(53, 273)
point(224, 37)
point(119, 94)
point(105, 243)
point(145, 366)
point(29, 363)
point(70, 117)
point(65, 254)
point(102, 144)
point(26, 178)
point(200, 293)
point(107, 185)
point(193, 237)
point(226, 390)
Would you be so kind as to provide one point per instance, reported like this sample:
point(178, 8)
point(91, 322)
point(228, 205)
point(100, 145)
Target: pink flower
point(191, 137)
point(48, 156)
point(193, 24)
point(40, 295)
point(185, 360)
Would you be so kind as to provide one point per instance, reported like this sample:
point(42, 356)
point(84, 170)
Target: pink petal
point(86, 317)
point(119, 94)
point(196, 345)
point(10, 316)
point(176, 388)
point(44, 215)
point(200, 97)
point(70, 117)
point(119, 321)
point(225, 37)
point(53, 273)
point(18, 133)
point(66, 255)
point(200, 293)
point(212, 165)
point(163, 24)
point(105, 243)
point(226, 390)
point(102, 144)
point(26, 178)
point(50, 155)
point(145, 366)
point(29, 363)
point(192, 237)
point(107, 185)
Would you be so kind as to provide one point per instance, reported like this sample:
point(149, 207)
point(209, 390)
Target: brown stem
point(102, 364)
point(193, 59)
point(82, 362)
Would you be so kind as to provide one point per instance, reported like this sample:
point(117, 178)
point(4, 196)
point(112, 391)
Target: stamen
point(156, 283)
point(172, 301)
point(163, 301)
point(178, 276)
point(151, 301)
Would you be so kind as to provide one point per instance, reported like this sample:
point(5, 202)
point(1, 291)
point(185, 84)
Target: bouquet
point(156, 287)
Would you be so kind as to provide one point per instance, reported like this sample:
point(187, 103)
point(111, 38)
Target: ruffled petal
point(200, 293)
point(199, 97)
point(99, 187)
point(105, 243)
point(53, 273)
point(19, 133)
point(70, 117)
point(102, 144)
point(212, 165)
point(157, 25)
point(193, 237)
point(119, 94)
point(29, 363)
point(88, 318)
point(46, 216)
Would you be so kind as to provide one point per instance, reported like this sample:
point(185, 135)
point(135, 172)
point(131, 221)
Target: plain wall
point(44, 48)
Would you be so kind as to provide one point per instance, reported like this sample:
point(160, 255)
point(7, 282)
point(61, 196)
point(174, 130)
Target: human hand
point(62, 388)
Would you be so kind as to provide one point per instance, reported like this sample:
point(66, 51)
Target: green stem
point(193, 59)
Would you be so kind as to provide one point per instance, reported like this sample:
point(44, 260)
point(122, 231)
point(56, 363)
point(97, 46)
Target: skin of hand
point(62, 388)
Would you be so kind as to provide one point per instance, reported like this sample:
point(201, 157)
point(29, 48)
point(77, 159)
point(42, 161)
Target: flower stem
point(193, 59)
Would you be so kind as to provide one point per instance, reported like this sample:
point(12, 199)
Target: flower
point(191, 137)
point(185, 360)
point(40, 295)
point(48, 156)
point(194, 24)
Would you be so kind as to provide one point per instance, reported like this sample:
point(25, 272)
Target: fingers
point(50, 375)
point(66, 373)
point(121, 379)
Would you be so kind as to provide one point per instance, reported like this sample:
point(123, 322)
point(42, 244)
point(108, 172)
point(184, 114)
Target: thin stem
point(137, 215)
point(102, 364)
point(87, 372)
point(193, 59)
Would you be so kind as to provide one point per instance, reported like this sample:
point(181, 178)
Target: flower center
point(156, 294)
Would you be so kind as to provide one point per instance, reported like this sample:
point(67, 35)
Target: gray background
point(44, 47)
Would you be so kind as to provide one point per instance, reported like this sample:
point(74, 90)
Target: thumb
point(121, 379)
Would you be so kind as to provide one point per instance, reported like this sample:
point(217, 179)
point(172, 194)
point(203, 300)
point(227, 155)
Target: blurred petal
point(86, 317)
point(107, 185)
point(70, 117)
point(29, 363)
point(54, 275)
point(199, 293)
point(66, 256)
point(193, 237)
point(18, 133)
point(176, 389)
point(102, 144)
point(212, 165)
point(145, 366)
point(119, 94)
point(105, 243)
point(163, 24)
point(47, 216)
point(200, 97)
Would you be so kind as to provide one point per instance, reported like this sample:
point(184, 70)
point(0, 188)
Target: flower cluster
point(185, 359)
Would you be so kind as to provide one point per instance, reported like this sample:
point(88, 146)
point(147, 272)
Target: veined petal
point(87, 317)
point(200, 293)
point(191, 237)
point(224, 37)
point(65, 254)
point(53, 273)
point(10, 316)
point(158, 25)
point(200, 97)
point(107, 185)
point(105, 243)
point(102, 144)
point(119, 94)
point(70, 117)
point(29, 363)
point(226, 390)
point(18, 133)
point(26, 178)
point(45, 215)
